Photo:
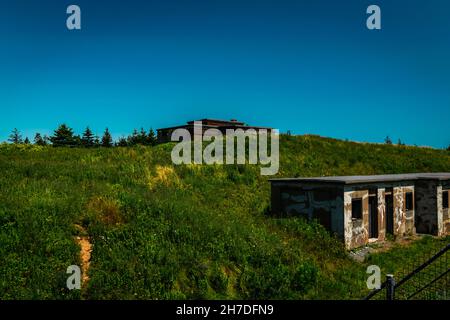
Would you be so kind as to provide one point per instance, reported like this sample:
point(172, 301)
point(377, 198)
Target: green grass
point(172, 232)
point(401, 259)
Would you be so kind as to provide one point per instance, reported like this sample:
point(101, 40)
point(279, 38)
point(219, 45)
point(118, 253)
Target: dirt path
point(85, 254)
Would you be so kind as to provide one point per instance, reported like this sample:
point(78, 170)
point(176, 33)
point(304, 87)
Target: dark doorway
point(324, 217)
point(373, 217)
point(389, 213)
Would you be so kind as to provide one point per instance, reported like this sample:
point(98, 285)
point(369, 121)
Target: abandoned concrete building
point(164, 134)
point(362, 209)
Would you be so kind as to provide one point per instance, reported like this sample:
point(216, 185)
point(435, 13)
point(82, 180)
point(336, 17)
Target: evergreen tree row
point(64, 136)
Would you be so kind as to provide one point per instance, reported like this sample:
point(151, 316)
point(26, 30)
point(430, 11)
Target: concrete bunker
point(363, 209)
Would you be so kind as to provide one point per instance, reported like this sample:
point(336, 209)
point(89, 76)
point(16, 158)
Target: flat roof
point(237, 126)
point(217, 120)
point(369, 178)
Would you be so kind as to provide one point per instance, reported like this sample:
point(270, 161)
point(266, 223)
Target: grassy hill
point(160, 231)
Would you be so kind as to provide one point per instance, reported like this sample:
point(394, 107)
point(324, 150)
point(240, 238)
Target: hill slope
point(164, 231)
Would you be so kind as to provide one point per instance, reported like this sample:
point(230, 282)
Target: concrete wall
point(446, 212)
point(381, 213)
point(403, 220)
point(356, 230)
point(310, 202)
point(440, 211)
point(426, 219)
point(431, 217)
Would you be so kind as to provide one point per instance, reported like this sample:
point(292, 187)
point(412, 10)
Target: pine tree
point(133, 139)
point(77, 141)
point(26, 141)
point(88, 139)
point(38, 140)
point(63, 136)
point(448, 148)
point(151, 137)
point(122, 142)
point(388, 140)
point(142, 137)
point(15, 137)
point(107, 139)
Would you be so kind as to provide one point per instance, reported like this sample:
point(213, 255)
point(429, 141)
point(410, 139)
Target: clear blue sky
point(304, 66)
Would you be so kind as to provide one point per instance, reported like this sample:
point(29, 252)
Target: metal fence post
point(390, 287)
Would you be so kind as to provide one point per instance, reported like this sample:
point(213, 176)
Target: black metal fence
point(428, 280)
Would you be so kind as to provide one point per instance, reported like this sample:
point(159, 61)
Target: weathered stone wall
point(440, 211)
point(403, 220)
point(356, 230)
point(381, 213)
